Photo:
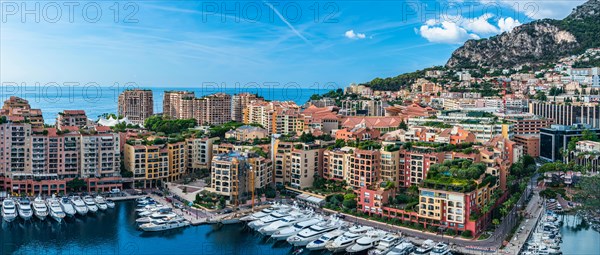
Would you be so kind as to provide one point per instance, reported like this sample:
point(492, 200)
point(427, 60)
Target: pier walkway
point(535, 209)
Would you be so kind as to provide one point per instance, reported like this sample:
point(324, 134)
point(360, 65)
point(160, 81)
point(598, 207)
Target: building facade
point(137, 105)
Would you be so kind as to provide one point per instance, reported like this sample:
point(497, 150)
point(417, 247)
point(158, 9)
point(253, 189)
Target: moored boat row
point(304, 228)
point(56, 208)
point(154, 216)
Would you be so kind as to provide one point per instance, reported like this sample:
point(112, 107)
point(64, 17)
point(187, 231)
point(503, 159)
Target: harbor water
point(578, 237)
point(114, 232)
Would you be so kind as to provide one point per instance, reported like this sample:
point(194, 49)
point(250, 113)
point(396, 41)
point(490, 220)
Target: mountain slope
point(535, 42)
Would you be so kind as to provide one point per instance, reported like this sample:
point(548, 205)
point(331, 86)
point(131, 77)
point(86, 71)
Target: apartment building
point(365, 166)
point(73, 118)
point(306, 162)
point(587, 155)
point(276, 117)
point(527, 126)
point(390, 165)
point(282, 161)
point(263, 171)
point(557, 138)
point(568, 114)
point(530, 143)
point(414, 166)
point(239, 104)
point(336, 164)
point(19, 108)
point(136, 105)
point(178, 104)
point(199, 153)
point(247, 133)
point(41, 161)
point(149, 163)
point(177, 160)
point(214, 109)
point(229, 175)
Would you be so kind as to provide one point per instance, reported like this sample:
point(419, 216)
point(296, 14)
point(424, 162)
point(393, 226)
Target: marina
point(52, 207)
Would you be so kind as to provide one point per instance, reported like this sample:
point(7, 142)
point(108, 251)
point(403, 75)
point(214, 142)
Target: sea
point(114, 232)
point(97, 100)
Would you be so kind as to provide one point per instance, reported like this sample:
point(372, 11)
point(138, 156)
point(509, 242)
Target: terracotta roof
point(372, 121)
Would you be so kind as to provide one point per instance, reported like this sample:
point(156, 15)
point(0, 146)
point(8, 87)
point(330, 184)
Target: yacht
point(67, 207)
point(264, 221)
point(9, 210)
point(165, 224)
point(386, 244)
point(440, 249)
point(284, 223)
point(404, 248)
point(162, 214)
point(101, 203)
point(288, 231)
point(40, 209)
point(312, 233)
point(368, 241)
point(257, 215)
point(148, 212)
point(325, 239)
point(347, 239)
point(425, 248)
point(55, 210)
point(79, 205)
point(145, 201)
point(24, 206)
point(90, 204)
point(110, 203)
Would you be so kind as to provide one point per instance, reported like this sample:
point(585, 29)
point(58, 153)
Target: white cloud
point(507, 24)
point(446, 32)
point(457, 29)
point(352, 35)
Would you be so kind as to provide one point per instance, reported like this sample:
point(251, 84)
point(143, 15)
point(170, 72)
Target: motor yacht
point(325, 239)
point(162, 214)
point(90, 204)
point(67, 207)
point(110, 203)
point(404, 248)
point(368, 241)
point(39, 208)
point(386, 244)
point(257, 215)
point(440, 249)
point(425, 248)
point(24, 208)
point(9, 210)
point(150, 211)
point(284, 223)
point(312, 233)
point(165, 224)
point(101, 203)
point(79, 205)
point(347, 239)
point(55, 210)
point(288, 231)
point(145, 201)
point(264, 221)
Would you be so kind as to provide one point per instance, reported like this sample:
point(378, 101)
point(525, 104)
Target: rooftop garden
point(458, 175)
point(466, 148)
point(436, 124)
point(159, 124)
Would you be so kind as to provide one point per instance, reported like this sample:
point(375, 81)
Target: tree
point(403, 125)
point(540, 95)
point(76, 184)
point(349, 201)
point(588, 194)
point(496, 222)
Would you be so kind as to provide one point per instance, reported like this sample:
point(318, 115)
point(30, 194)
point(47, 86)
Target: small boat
point(79, 205)
point(101, 203)
point(56, 211)
point(386, 244)
point(404, 248)
point(298, 251)
point(325, 239)
point(347, 239)
point(90, 204)
point(110, 203)
point(67, 207)
point(9, 210)
point(39, 208)
point(165, 224)
point(425, 248)
point(24, 206)
point(370, 240)
point(162, 214)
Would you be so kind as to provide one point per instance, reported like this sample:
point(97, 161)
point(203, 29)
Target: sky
point(193, 43)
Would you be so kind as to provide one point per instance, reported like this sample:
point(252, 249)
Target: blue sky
point(188, 43)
